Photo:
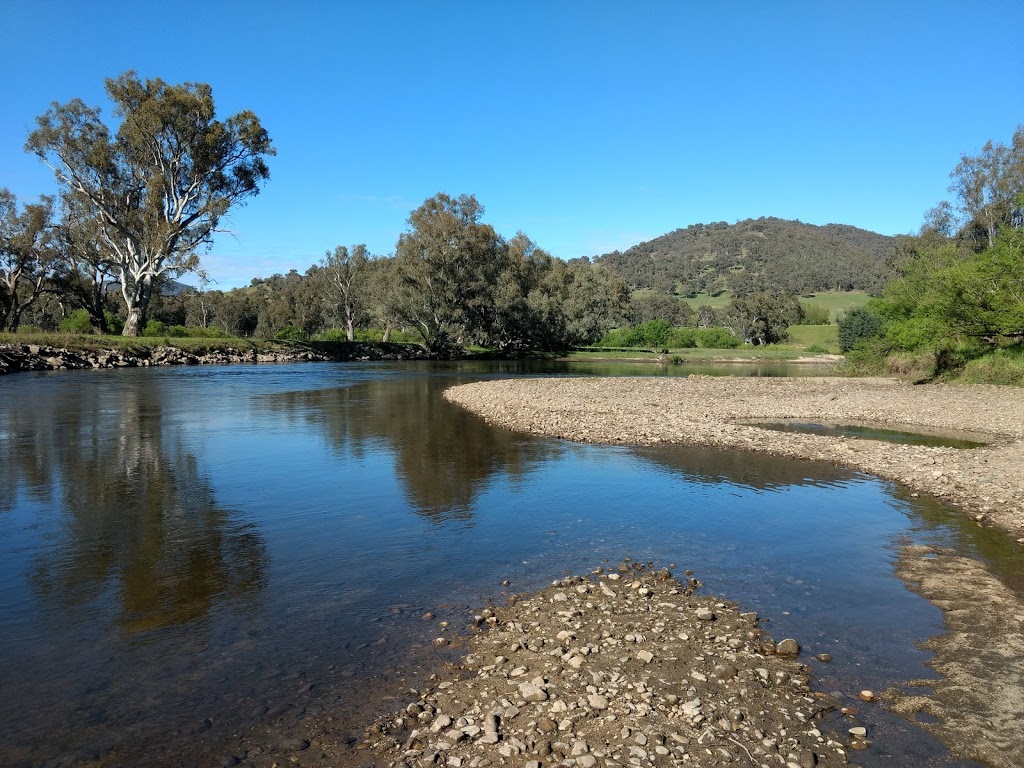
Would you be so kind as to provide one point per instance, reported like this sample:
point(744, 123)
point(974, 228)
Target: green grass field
point(824, 336)
point(835, 302)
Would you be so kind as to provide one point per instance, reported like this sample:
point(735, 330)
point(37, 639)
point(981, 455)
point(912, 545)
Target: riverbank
point(18, 358)
point(624, 666)
point(986, 482)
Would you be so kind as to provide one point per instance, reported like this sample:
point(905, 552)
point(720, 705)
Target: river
point(206, 566)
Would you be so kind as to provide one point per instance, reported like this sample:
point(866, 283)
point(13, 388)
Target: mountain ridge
point(767, 253)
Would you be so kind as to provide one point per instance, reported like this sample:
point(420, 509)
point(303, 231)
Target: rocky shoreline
point(17, 358)
point(986, 482)
point(621, 667)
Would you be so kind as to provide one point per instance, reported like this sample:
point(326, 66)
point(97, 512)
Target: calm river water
point(201, 565)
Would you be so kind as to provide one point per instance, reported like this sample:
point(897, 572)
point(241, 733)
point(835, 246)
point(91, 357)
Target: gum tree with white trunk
point(159, 182)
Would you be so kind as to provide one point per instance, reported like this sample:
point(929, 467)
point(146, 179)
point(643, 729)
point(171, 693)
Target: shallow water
point(194, 561)
point(864, 432)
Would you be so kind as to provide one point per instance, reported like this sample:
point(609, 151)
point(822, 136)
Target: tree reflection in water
point(140, 527)
point(444, 456)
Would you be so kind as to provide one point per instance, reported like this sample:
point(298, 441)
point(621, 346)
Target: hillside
point(755, 254)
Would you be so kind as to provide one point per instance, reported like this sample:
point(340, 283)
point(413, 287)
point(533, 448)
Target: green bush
point(813, 314)
point(77, 322)
point(115, 323)
point(155, 328)
point(291, 333)
point(716, 338)
point(1003, 366)
point(816, 349)
point(858, 324)
point(682, 338)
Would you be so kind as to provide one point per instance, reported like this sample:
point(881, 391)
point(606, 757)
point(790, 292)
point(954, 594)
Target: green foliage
point(1002, 366)
point(115, 323)
point(78, 321)
point(766, 254)
point(644, 307)
point(655, 335)
point(857, 324)
point(155, 328)
point(763, 318)
point(291, 333)
point(161, 182)
point(814, 314)
point(946, 295)
point(816, 349)
point(716, 338)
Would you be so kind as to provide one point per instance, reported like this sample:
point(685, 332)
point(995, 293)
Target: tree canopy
point(159, 184)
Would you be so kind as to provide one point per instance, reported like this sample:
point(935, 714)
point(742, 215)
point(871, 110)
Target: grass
point(752, 354)
point(704, 300)
point(834, 302)
point(837, 302)
point(90, 342)
point(823, 336)
point(1003, 366)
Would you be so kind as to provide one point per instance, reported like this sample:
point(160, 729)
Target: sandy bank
point(986, 482)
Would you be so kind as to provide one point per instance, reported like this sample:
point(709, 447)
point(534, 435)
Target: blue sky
point(588, 125)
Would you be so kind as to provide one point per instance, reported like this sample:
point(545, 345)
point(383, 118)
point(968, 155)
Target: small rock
point(532, 692)
point(597, 701)
point(787, 647)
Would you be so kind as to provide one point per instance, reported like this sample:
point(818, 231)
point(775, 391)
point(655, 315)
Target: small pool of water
point(864, 432)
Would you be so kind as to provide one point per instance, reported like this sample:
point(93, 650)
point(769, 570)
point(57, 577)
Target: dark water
point(198, 564)
point(936, 440)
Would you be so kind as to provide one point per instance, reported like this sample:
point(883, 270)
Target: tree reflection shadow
point(139, 529)
point(444, 456)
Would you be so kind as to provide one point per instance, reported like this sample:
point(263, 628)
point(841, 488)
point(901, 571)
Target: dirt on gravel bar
point(622, 667)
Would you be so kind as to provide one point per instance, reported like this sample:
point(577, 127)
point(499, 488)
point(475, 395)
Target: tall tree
point(161, 183)
point(28, 255)
point(87, 273)
point(989, 188)
point(444, 267)
point(345, 278)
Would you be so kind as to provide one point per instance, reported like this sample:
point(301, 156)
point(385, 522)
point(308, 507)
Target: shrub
point(816, 349)
point(814, 314)
point(290, 333)
point(115, 323)
point(858, 324)
point(682, 338)
point(155, 328)
point(77, 322)
point(716, 338)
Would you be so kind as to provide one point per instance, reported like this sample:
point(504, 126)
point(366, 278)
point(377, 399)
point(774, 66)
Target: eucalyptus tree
point(443, 270)
point(345, 285)
point(989, 189)
point(86, 275)
point(160, 182)
point(28, 255)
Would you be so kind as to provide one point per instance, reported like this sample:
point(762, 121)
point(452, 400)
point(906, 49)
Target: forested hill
point(755, 254)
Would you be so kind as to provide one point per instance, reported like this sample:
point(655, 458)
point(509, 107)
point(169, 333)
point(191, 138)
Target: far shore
point(985, 482)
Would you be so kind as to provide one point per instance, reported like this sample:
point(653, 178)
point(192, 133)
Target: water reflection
point(138, 526)
point(751, 470)
point(444, 456)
